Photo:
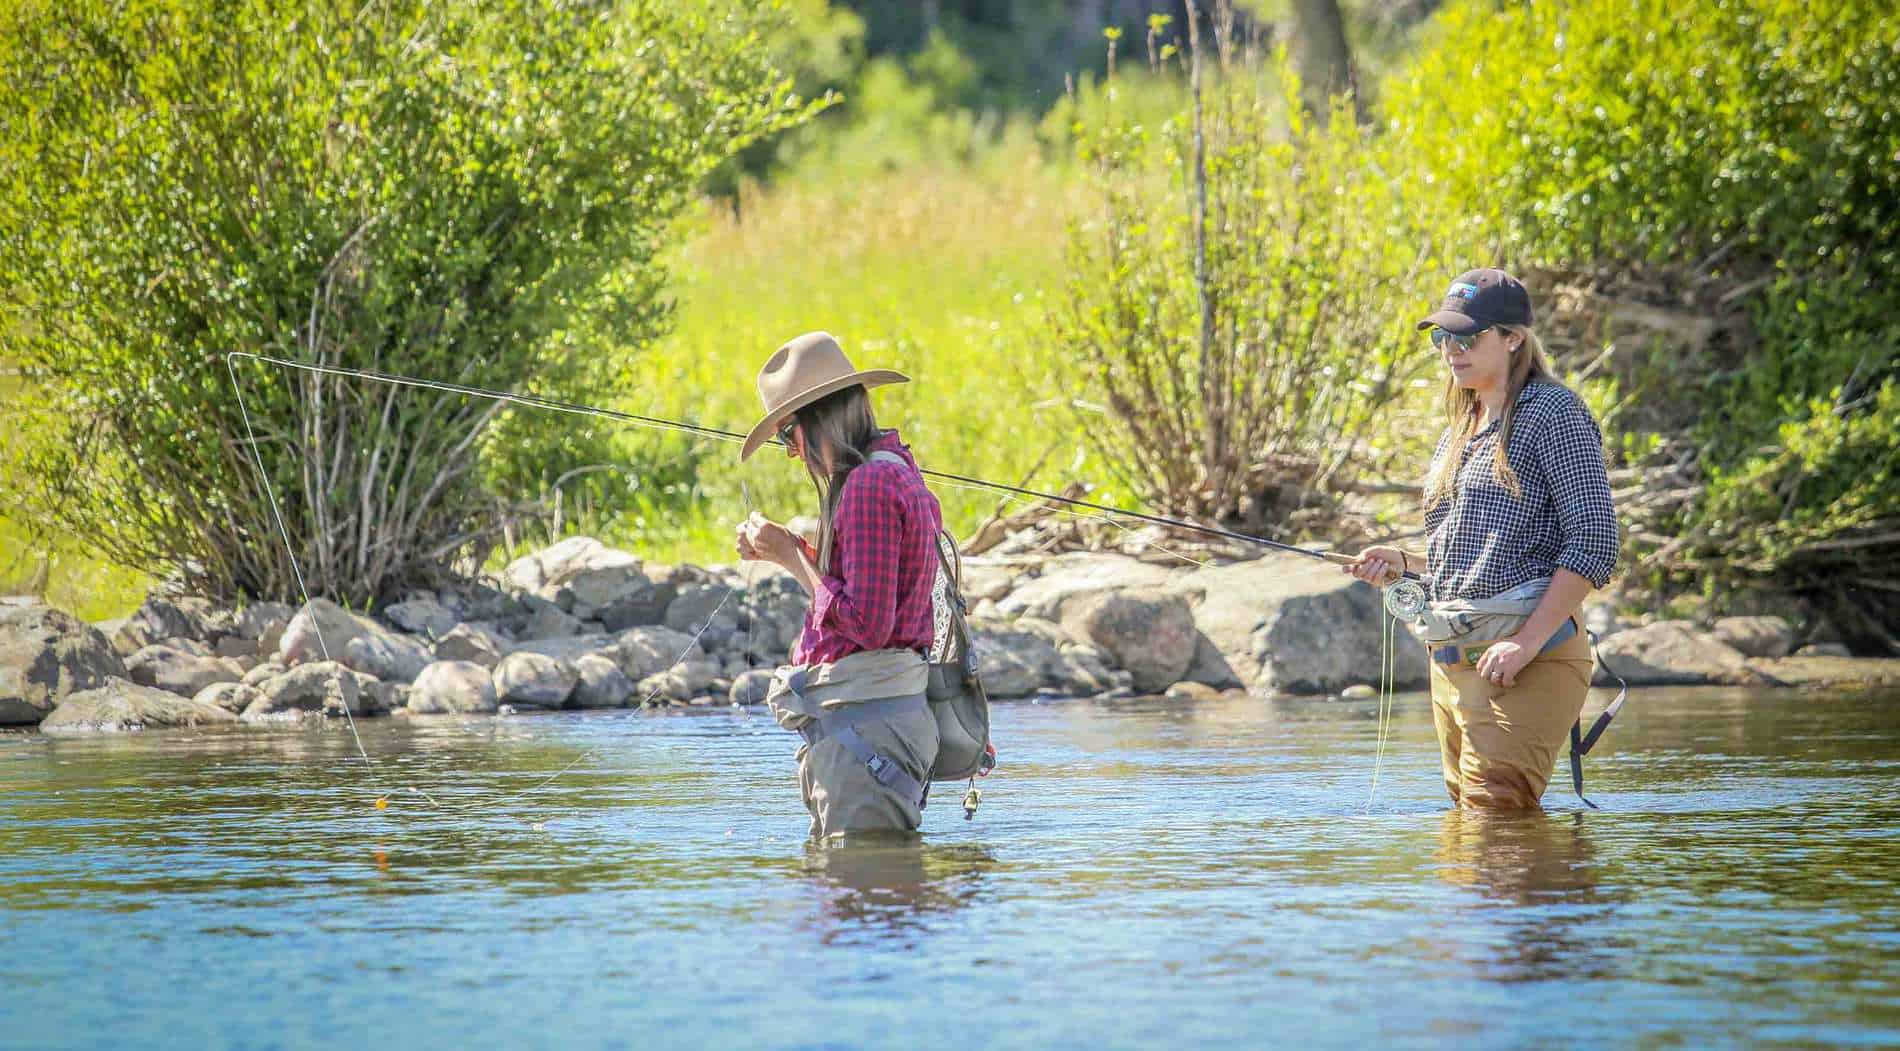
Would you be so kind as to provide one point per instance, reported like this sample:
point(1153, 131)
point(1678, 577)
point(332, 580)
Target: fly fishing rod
point(577, 408)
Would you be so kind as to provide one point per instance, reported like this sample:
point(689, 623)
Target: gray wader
point(870, 739)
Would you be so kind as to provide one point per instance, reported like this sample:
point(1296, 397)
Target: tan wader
point(870, 739)
point(1498, 745)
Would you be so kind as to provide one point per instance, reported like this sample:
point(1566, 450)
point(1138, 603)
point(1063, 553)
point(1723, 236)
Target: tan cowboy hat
point(801, 372)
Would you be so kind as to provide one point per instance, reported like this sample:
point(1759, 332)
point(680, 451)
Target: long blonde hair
point(1463, 410)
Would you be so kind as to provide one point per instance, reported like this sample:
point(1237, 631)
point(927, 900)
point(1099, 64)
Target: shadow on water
point(1540, 887)
point(891, 888)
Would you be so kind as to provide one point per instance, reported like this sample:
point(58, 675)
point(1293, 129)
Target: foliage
point(473, 193)
point(1750, 145)
point(1241, 301)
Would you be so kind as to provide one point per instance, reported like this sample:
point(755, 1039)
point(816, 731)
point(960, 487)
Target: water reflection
point(892, 886)
point(1536, 874)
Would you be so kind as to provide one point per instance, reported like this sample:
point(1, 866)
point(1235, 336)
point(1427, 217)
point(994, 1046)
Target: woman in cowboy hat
point(855, 689)
point(1518, 504)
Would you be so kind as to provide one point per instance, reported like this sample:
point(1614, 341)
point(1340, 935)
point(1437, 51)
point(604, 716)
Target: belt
point(1468, 653)
point(841, 724)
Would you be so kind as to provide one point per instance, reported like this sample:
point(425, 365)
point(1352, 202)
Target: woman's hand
point(1502, 661)
point(761, 539)
point(1378, 565)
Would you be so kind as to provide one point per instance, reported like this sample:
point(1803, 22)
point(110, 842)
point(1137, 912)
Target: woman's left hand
point(1501, 663)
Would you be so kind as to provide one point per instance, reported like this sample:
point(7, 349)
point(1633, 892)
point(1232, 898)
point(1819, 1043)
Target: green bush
point(1749, 146)
point(475, 193)
point(1245, 312)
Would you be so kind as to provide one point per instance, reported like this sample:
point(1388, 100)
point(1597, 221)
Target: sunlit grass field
point(944, 277)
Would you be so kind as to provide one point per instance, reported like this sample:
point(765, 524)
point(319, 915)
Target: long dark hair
point(838, 429)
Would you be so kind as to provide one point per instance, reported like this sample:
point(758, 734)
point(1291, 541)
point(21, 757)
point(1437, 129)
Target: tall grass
point(940, 274)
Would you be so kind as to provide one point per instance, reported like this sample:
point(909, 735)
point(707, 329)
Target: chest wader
point(1456, 634)
point(880, 725)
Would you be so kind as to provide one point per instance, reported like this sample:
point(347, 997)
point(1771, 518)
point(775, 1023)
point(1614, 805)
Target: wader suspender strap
point(1580, 742)
point(841, 725)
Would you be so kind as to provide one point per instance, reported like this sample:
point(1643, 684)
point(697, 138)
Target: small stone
point(534, 679)
point(1359, 691)
point(1824, 649)
point(750, 688)
point(458, 687)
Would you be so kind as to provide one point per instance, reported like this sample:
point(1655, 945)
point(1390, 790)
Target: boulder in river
point(122, 706)
point(47, 655)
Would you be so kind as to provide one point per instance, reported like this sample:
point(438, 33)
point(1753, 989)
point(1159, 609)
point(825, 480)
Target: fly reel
point(1406, 600)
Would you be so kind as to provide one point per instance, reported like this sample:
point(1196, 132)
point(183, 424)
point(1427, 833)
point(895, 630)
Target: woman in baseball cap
point(1517, 502)
point(856, 687)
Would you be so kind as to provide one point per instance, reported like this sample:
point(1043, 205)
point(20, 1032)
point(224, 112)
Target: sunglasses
point(786, 430)
point(1440, 337)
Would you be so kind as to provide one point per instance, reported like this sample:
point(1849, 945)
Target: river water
point(1140, 873)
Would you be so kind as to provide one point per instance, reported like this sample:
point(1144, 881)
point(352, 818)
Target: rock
point(576, 571)
point(422, 616)
point(1762, 636)
point(161, 618)
point(534, 679)
point(573, 647)
point(1359, 691)
point(475, 641)
point(378, 697)
point(1287, 624)
point(549, 621)
point(393, 658)
point(1149, 633)
point(653, 649)
point(1192, 691)
point(637, 606)
point(479, 602)
point(323, 687)
point(453, 687)
point(1672, 652)
point(1012, 661)
point(750, 688)
point(772, 617)
point(233, 697)
point(1824, 649)
point(698, 611)
point(175, 671)
point(119, 706)
point(321, 631)
point(1077, 575)
point(1087, 670)
point(235, 647)
point(47, 655)
point(600, 683)
point(258, 620)
point(263, 673)
point(1824, 670)
point(1210, 666)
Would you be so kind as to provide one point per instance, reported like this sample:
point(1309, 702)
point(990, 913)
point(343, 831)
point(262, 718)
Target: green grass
point(939, 275)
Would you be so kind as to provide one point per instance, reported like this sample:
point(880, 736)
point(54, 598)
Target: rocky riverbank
point(581, 625)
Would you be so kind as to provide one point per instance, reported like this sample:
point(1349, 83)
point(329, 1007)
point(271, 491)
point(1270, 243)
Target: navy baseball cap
point(1478, 300)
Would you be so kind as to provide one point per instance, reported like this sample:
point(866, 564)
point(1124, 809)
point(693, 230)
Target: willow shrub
point(1241, 300)
point(471, 192)
point(1751, 143)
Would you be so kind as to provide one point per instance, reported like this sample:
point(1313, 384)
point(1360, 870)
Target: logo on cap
point(1463, 290)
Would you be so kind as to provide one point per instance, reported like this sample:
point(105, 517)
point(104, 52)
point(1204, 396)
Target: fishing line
point(1015, 493)
point(303, 590)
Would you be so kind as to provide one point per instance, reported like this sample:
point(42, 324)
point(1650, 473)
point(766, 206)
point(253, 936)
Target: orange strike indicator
point(382, 803)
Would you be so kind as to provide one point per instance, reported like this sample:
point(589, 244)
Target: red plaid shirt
point(883, 564)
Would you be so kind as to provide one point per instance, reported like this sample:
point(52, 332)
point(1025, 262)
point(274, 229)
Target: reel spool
point(1406, 600)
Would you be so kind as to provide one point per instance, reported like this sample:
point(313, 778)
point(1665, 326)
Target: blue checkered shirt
point(1484, 541)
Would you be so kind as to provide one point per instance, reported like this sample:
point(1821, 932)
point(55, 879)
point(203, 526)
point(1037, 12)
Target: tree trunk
point(1325, 57)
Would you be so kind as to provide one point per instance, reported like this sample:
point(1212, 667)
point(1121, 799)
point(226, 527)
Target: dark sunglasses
point(1440, 337)
point(785, 431)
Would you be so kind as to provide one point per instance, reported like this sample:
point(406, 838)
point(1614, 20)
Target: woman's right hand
point(1378, 565)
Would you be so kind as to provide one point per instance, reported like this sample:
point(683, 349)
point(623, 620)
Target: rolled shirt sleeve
point(1571, 455)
